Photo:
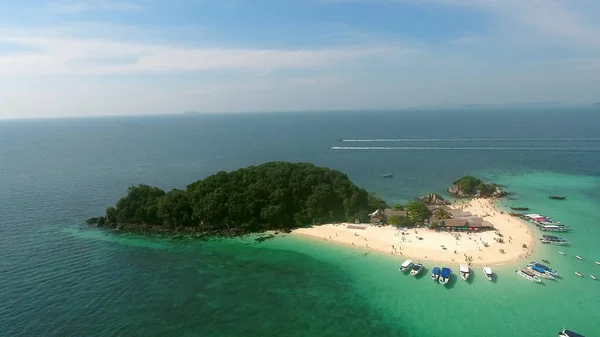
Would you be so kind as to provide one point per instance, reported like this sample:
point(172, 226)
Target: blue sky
point(110, 57)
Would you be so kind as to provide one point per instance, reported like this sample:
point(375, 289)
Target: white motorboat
point(464, 271)
point(594, 277)
point(406, 265)
point(598, 263)
point(578, 274)
point(487, 271)
point(579, 257)
point(568, 333)
point(561, 253)
point(435, 273)
point(416, 269)
point(528, 275)
point(445, 275)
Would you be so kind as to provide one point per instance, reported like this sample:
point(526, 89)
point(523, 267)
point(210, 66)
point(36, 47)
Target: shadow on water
point(495, 278)
point(423, 273)
point(452, 282)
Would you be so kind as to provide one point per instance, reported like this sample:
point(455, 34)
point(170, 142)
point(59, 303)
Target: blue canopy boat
point(544, 267)
point(445, 275)
point(435, 273)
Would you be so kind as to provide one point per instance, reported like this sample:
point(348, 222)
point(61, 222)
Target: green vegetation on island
point(471, 187)
point(271, 196)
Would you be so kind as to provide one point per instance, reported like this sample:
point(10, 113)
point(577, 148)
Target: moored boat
point(520, 208)
point(464, 271)
point(435, 273)
point(561, 253)
point(406, 265)
point(487, 271)
point(389, 175)
point(547, 269)
point(528, 275)
point(540, 272)
point(568, 333)
point(554, 228)
point(579, 257)
point(416, 269)
point(578, 274)
point(445, 275)
point(555, 240)
point(545, 261)
point(556, 197)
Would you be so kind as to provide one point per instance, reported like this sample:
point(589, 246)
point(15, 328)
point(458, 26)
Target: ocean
point(59, 277)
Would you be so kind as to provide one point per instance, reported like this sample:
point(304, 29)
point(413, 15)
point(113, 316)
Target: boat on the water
point(416, 269)
point(547, 269)
point(487, 271)
point(594, 277)
point(555, 240)
point(578, 274)
point(579, 257)
point(554, 228)
point(556, 197)
point(561, 253)
point(445, 275)
point(406, 265)
point(568, 333)
point(540, 272)
point(388, 175)
point(528, 275)
point(520, 208)
point(435, 273)
point(546, 261)
point(464, 271)
point(598, 263)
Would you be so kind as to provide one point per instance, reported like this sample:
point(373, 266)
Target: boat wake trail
point(421, 148)
point(467, 139)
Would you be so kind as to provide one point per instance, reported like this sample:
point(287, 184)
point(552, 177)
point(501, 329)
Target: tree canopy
point(471, 186)
point(274, 195)
point(417, 212)
point(400, 221)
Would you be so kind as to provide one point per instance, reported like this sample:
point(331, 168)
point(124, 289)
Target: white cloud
point(52, 55)
point(96, 6)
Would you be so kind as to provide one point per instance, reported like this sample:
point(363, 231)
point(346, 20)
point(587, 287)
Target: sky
point(110, 57)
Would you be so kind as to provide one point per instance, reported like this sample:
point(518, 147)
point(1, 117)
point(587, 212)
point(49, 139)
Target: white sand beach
point(443, 246)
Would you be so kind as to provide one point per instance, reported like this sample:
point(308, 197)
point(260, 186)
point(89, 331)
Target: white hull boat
point(568, 333)
point(406, 265)
point(528, 275)
point(579, 257)
point(578, 274)
point(416, 269)
point(540, 272)
point(487, 271)
point(464, 271)
point(594, 277)
point(435, 273)
point(543, 268)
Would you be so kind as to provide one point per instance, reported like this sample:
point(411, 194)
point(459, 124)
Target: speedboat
point(406, 265)
point(540, 272)
point(594, 277)
point(568, 333)
point(547, 269)
point(598, 263)
point(388, 175)
point(556, 197)
point(561, 253)
point(528, 275)
point(578, 274)
point(488, 273)
point(435, 273)
point(445, 275)
point(416, 269)
point(579, 257)
point(464, 271)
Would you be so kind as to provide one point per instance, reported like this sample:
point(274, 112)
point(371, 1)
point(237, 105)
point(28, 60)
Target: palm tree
point(442, 213)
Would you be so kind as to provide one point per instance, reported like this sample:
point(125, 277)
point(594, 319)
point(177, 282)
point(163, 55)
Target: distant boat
point(406, 265)
point(598, 263)
point(445, 275)
point(488, 273)
point(464, 271)
point(579, 257)
point(556, 197)
point(594, 277)
point(520, 208)
point(435, 273)
point(561, 253)
point(578, 274)
point(543, 267)
point(546, 261)
point(416, 269)
point(389, 175)
point(568, 333)
point(555, 240)
point(528, 275)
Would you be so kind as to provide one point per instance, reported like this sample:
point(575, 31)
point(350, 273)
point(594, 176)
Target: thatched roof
point(390, 212)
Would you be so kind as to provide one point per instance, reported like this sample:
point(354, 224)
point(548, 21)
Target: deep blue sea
point(59, 277)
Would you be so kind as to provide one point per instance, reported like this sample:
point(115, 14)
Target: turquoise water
point(60, 278)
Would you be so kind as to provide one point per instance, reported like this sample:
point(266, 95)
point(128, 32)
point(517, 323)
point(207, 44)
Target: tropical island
point(317, 202)
point(272, 196)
